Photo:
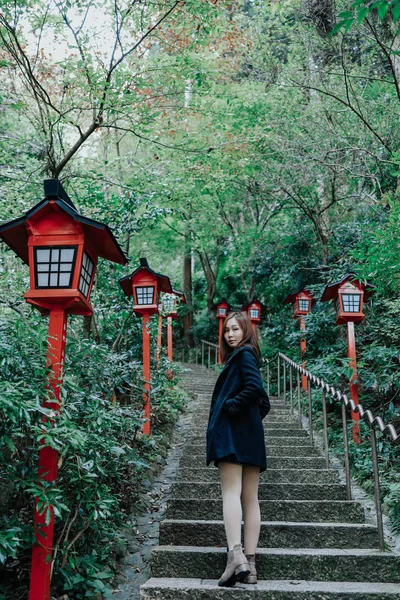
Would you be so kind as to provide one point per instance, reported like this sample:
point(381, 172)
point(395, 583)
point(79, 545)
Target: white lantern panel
point(145, 295)
point(222, 312)
point(86, 275)
point(54, 266)
point(254, 312)
point(304, 305)
point(351, 303)
point(169, 304)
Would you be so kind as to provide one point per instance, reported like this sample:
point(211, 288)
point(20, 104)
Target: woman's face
point(233, 334)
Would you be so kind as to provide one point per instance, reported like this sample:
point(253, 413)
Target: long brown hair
point(249, 335)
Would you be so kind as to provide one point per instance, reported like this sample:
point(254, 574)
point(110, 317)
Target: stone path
point(314, 544)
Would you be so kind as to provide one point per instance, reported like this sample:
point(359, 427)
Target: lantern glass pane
point(54, 267)
point(304, 305)
point(222, 312)
point(42, 256)
point(86, 275)
point(254, 313)
point(145, 295)
point(351, 303)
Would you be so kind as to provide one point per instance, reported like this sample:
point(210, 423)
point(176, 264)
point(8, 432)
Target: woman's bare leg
point(251, 508)
point(231, 484)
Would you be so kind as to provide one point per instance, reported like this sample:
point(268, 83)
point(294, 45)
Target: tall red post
point(159, 340)
point(48, 464)
point(303, 350)
point(351, 353)
point(146, 372)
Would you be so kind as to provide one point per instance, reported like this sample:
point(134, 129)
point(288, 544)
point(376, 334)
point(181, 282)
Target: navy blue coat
point(239, 403)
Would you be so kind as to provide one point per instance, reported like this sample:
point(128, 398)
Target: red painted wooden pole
point(146, 372)
point(42, 550)
point(303, 350)
point(351, 353)
point(159, 340)
point(220, 339)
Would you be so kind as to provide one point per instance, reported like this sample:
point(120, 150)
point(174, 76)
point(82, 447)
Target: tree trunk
point(187, 290)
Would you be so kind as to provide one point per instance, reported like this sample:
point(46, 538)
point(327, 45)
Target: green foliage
point(103, 460)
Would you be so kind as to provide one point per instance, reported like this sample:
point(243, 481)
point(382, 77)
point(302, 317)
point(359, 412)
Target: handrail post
point(310, 424)
point(324, 415)
point(346, 452)
point(279, 376)
point(378, 507)
point(202, 353)
point(268, 380)
point(291, 389)
point(284, 383)
point(216, 357)
point(299, 399)
point(209, 356)
point(197, 355)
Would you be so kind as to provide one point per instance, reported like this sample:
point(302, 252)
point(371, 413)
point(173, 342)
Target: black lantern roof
point(163, 281)
point(15, 234)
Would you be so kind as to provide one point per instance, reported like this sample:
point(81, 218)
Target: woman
point(235, 442)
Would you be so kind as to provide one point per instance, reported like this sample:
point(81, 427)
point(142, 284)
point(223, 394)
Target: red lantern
point(254, 310)
point(348, 296)
point(145, 286)
point(302, 302)
point(61, 247)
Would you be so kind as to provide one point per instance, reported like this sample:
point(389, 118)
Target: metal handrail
point(210, 345)
point(366, 415)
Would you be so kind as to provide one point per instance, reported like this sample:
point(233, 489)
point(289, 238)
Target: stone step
point(331, 511)
point(273, 534)
point(290, 589)
point(317, 564)
point(269, 420)
point(267, 491)
point(270, 475)
point(298, 433)
point(281, 441)
point(274, 450)
point(282, 426)
point(274, 462)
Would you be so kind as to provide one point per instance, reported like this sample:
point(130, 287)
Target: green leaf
point(362, 13)
point(396, 12)
point(382, 10)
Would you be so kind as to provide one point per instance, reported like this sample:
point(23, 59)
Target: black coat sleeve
point(253, 391)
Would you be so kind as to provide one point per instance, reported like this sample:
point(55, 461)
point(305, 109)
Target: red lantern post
point(221, 308)
point(145, 285)
point(254, 310)
point(61, 247)
point(302, 302)
point(348, 296)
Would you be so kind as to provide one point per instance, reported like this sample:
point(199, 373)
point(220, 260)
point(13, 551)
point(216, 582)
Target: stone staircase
point(314, 544)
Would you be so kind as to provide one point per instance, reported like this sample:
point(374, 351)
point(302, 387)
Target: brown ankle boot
point(237, 567)
point(252, 577)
